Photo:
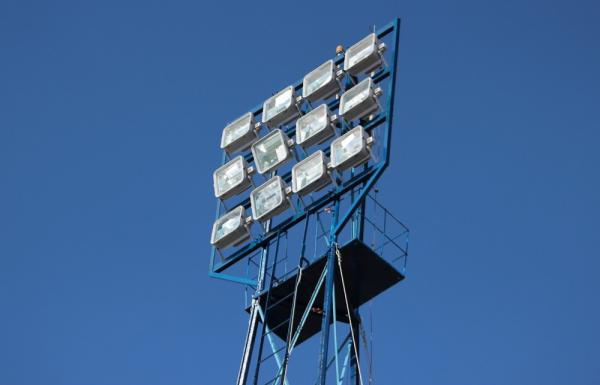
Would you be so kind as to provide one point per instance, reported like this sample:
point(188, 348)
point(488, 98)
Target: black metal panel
point(366, 275)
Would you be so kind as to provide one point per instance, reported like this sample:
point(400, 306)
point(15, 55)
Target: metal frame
point(363, 179)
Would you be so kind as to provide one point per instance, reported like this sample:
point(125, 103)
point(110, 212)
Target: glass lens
point(228, 223)
point(227, 227)
point(236, 130)
point(278, 103)
point(347, 146)
point(230, 176)
point(312, 123)
point(268, 198)
point(355, 95)
point(308, 171)
point(270, 151)
point(318, 78)
point(360, 50)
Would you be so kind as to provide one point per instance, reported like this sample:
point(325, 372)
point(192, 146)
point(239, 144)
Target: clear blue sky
point(110, 116)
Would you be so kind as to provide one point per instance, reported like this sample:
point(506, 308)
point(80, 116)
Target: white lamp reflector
point(280, 108)
point(239, 134)
point(231, 178)
point(271, 152)
point(269, 199)
point(350, 149)
point(321, 82)
point(314, 127)
point(363, 56)
point(310, 174)
point(359, 101)
point(230, 229)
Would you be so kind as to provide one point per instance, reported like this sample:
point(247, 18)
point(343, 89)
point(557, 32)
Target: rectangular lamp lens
point(320, 83)
point(229, 229)
point(277, 105)
point(239, 134)
point(231, 178)
point(355, 96)
point(311, 124)
point(268, 199)
point(310, 174)
point(350, 149)
point(271, 151)
point(362, 56)
point(359, 101)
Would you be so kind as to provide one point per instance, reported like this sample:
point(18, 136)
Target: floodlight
point(350, 149)
point(280, 108)
point(272, 151)
point(360, 100)
point(321, 82)
point(269, 199)
point(315, 127)
point(230, 229)
point(364, 56)
point(239, 134)
point(310, 174)
point(232, 178)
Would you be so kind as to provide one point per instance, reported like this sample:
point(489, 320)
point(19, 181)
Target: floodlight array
point(351, 146)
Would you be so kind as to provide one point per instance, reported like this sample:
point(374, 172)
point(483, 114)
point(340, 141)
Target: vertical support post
point(355, 359)
point(327, 300)
point(253, 322)
point(265, 320)
point(361, 219)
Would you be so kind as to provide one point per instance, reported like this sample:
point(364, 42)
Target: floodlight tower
point(310, 243)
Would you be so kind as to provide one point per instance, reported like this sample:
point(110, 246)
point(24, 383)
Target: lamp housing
point(321, 82)
point(360, 100)
point(232, 178)
point(310, 174)
point(364, 56)
point(269, 199)
point(350, 149)
point(239, 134)
point(272, 151)
point(315, 127)
point(280, 108)
point(230, 229)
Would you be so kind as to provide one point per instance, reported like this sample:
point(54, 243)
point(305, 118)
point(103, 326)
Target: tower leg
point(253, 323)
point(355, 354)
point(327, 300)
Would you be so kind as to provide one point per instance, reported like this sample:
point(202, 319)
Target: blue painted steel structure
point(292, 305)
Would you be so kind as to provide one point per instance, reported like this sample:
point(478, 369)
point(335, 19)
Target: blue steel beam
point(327, 300)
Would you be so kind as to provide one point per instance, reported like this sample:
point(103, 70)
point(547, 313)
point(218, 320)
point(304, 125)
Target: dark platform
point(366, 275)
